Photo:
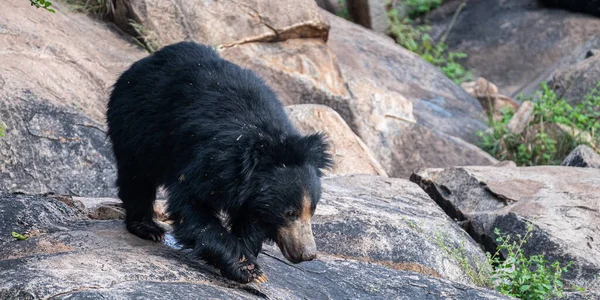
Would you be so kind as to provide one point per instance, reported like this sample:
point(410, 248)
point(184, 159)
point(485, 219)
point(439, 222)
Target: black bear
point(218, 139)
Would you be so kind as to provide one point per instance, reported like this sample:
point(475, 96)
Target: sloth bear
point(218, 139)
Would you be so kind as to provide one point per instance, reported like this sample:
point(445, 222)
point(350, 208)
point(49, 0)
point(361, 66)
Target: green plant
point(416, 38)
point(98, 8)
point(530, 278)
point(45, 4)
point(478, 271)
point(416, 8)
point(2, 129)
point(343, 12)
point(543, 142)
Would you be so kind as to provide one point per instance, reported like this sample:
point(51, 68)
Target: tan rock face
point(408, 121)
point(350, 154)
point(436, 101)
point(299, 70)
point(418, 146)
point(561, 202)
point(371, 85)
point(56, 71)
point(58, 57)
point(224, 22)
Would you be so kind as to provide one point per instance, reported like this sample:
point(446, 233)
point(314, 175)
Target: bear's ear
point(266, 154)
point(316, 151)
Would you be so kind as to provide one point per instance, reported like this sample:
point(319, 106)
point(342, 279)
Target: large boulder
point(57, 56)
point(300, 71)
point(224, 23)
point(54, 82)
point(394, 223)
point(375, 68)
point(350, 154)
point(562, 203)
point(68, 255)
point(408, 121)
point(377, 103)
point(584, 157)
point(576, 81)
point(50, 148)
point(515, 43)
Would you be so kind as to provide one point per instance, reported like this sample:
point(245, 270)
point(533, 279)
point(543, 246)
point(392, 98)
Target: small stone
point(582, 156)
point(522, 117)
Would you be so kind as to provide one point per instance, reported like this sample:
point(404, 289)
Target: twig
point(445, 36)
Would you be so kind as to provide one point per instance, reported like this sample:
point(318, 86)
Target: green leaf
point(19, 236)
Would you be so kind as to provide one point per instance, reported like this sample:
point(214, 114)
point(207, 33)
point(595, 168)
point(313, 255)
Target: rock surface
point(331, 6)
point(582, 156)
point(522, 118)
point(371, 14)
point(70, 256)
point(350, 154)
point(54, 82)
point(300, 71)
point(417, 146)
point(371, 61)
point(575, 81)
point(516, 44)
point(223, 23)
point(488, 95)
point(53, 149)
point(560, 202)
point(394, 223)
point(388, 101)
point(303, 69)
point(56, 57)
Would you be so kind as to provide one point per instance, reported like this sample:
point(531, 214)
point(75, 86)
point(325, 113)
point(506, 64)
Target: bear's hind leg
point(138, 194)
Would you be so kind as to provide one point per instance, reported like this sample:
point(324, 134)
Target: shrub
point(417, 8)
point(530, 278)
point(415, 38)
point(343, 12)
point(45, 4)
point(543, 143)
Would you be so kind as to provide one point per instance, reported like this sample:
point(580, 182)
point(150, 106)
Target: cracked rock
point(562, 203)
point(225, 23)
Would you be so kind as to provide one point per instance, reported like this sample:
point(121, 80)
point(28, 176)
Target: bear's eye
point(290, 213)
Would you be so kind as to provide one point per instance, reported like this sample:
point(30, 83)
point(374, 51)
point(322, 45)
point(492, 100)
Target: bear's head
point(288, 174)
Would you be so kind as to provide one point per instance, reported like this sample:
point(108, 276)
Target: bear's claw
point(262, 278)
point(147, 230)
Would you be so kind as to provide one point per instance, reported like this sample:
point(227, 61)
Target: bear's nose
point(309, 252)
point(306, 256)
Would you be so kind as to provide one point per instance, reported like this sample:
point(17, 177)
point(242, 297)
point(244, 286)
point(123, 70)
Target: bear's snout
point(296, 241)
point(309, 253)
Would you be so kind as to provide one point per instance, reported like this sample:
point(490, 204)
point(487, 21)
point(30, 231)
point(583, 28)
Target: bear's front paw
point(245, 271)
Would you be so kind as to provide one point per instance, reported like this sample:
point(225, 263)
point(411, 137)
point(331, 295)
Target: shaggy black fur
point(591, 7)
point(219, 140)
